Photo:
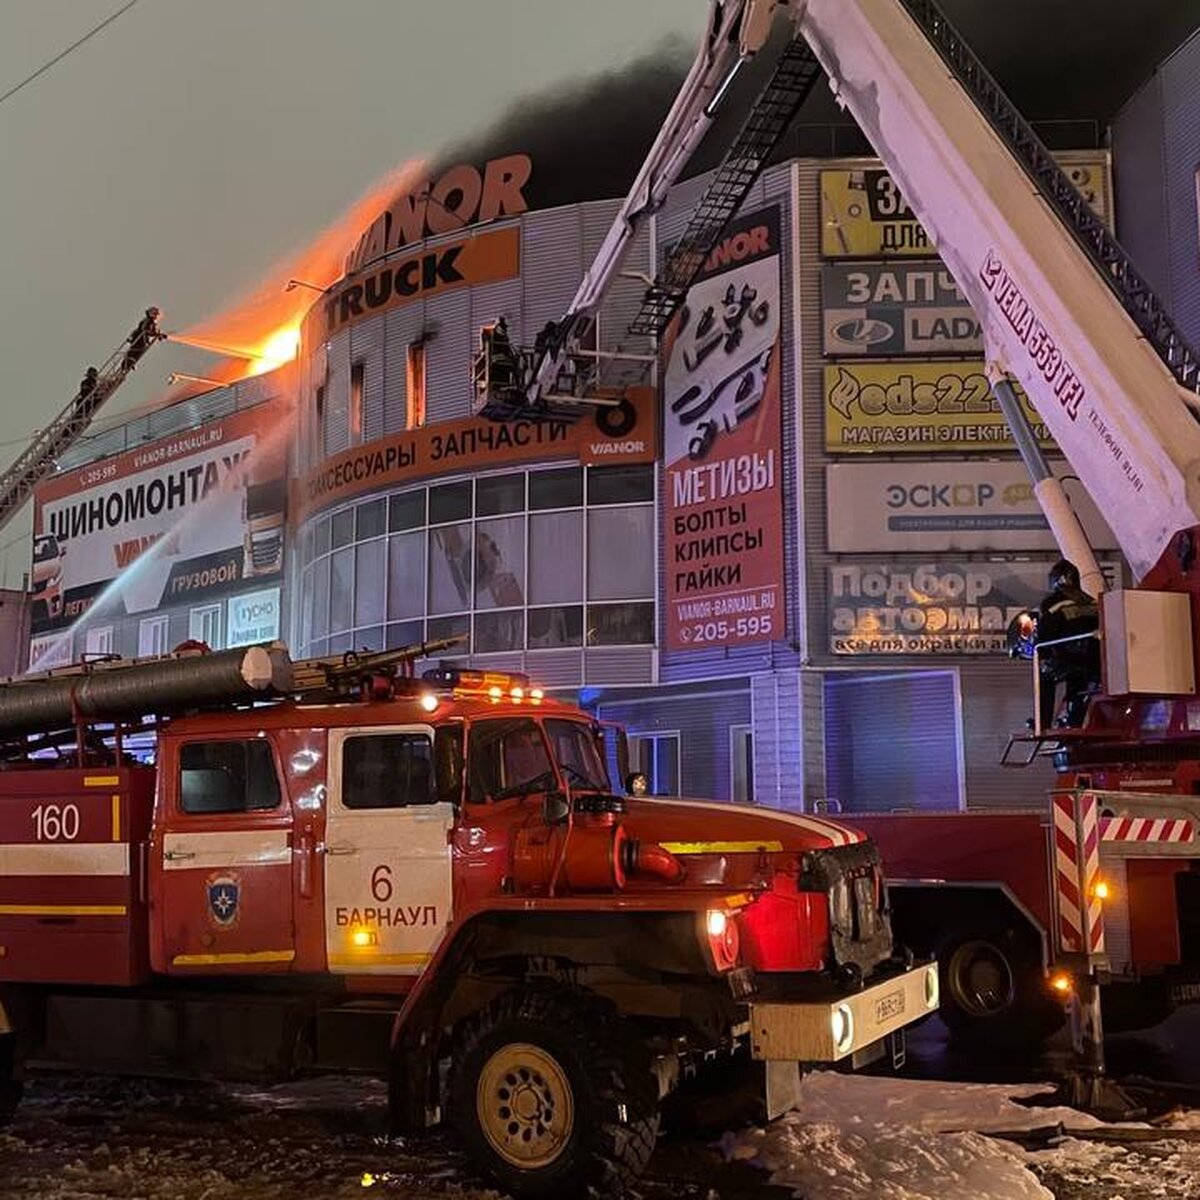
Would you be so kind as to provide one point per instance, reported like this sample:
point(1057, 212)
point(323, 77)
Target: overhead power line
point(63, 54)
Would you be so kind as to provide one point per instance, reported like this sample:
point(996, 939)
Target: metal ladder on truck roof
point(38, 459)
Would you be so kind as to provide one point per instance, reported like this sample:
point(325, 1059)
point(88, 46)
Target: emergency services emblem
point(224, 896)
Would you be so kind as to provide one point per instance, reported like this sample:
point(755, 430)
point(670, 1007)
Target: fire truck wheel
point(551, 1096)
point(992, 989)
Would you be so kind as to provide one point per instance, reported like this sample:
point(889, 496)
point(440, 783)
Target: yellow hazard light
point(363, 937)
point(1101, 890)
point(368, 1180)
point(1061, 983)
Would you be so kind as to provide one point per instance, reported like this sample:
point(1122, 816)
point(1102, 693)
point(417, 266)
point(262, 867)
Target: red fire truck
point(335, 864)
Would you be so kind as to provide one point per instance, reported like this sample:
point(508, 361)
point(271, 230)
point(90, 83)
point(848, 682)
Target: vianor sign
point(460, 196)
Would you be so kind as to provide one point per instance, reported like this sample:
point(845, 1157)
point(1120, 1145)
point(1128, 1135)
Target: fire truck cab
point(335, 864)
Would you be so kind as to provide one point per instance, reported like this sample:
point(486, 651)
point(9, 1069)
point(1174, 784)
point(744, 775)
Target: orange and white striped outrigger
point(1077, 872)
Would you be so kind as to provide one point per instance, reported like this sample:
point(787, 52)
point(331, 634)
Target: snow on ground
point(860, 1138)
point(854, 1138)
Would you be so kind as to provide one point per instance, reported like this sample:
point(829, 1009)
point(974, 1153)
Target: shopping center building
point(790, 579)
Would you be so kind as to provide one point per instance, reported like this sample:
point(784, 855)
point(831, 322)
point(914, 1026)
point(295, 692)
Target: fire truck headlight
point(724, 938)
point(841, 1026)
point(429, 702)
point(932, 987)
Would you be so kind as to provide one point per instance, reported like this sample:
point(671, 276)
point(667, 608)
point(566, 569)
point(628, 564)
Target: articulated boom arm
point(1051, 319)
point(38, 459)
point(737, 29)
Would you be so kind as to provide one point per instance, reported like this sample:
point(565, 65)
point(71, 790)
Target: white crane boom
point(1049, 318)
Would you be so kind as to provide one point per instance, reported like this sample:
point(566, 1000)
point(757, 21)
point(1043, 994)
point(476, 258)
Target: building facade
point(790, 580)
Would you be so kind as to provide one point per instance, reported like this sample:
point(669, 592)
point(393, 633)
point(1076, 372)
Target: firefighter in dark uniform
point(1067, 611)
point(141, 339)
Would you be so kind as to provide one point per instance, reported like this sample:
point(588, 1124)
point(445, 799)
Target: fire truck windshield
point(578, 755)
point(510, 756)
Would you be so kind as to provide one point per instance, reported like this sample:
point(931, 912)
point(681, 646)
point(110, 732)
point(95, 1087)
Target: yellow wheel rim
point(525, 1105)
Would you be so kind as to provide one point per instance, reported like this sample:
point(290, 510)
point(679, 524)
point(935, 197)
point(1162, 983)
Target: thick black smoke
point(1070, 61)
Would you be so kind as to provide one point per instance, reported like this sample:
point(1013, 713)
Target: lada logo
point(863, 331)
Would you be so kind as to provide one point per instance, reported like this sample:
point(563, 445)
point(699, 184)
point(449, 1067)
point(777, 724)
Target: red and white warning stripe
point(1146, 829)
point(1077, 870)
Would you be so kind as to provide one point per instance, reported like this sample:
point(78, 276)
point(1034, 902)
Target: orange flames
point(264, 326)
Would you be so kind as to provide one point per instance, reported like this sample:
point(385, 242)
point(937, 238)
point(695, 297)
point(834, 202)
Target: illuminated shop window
point(516, 561)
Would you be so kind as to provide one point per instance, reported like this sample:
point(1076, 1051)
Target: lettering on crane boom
point(1045, 355)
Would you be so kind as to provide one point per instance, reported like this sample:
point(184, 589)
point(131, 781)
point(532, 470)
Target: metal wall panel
point(618, 665)
point(337, 395)
point(778, 745)
point(1139, 175)
point(554, 668)
point(447, 357)
point(366, 347)
point(891, 740)
point(1181, 136)
point(551, 266)
point(702, 720)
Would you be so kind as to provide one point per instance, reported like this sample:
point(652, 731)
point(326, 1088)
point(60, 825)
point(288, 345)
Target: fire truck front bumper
point(833, 1027)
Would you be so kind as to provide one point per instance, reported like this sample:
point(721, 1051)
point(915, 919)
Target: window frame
point(150, 626)
point(276, 809)
point(736, 733)
point(361, 735)
point(405, 504)
point(654, 736)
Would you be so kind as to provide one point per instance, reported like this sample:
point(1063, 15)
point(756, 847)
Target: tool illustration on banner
point(738, 392)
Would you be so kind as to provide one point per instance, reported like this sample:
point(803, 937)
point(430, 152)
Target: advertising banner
point(192, 517)
point(900, 408)
point(863, 214)
point(887, 309)
point(253, 617)
point(931, 607)
point(932, 506)
point(722, 446)
point(475, 445)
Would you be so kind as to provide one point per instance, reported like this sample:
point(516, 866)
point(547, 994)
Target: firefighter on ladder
point(144, 335)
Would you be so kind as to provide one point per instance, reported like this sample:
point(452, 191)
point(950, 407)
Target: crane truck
point(1100, 882)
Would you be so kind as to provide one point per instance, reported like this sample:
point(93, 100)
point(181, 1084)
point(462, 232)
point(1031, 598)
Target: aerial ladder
point(39, 458)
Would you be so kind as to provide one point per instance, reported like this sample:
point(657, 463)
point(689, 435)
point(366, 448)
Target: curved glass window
point(523, 560)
